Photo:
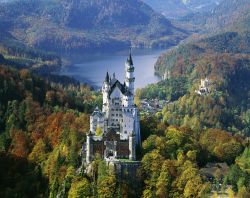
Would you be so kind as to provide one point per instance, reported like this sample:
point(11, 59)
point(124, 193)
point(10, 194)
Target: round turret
point(105, 92)
point(129, 74)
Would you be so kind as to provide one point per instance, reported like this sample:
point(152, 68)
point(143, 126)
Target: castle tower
point(132, 147)
point(129, 74)
point(105, 92)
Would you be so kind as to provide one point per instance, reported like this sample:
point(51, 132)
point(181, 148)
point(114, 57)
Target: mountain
point(180, 8)
point(229, 15)
point(233, 14)
point(87, 24)
point(169, 8)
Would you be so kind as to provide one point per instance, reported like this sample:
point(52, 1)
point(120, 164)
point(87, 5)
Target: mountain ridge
point(79, 25)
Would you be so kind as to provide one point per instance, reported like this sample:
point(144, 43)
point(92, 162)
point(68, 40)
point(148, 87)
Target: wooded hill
point(223, 58)
point(87, 24)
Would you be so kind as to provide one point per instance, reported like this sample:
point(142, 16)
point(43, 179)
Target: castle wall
point(98, 148)
point(125, 169)
point(123, 149)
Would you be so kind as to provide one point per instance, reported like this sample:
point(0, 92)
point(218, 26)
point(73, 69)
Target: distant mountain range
point(229, 15)
point(180, 8)
point(75, 25)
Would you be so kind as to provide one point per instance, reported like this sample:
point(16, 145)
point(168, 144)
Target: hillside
point(229, 15)
point(34, 115)
point(18, 55)
point(76, 25)
point(43, 128)
point(222, 54)
point(224, 59)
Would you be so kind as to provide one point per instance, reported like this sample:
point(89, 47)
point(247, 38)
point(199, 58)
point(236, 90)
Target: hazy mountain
point(179, 8)
point(229, 15)
point(86, 24)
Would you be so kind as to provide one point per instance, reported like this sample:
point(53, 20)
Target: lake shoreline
point(91, 68)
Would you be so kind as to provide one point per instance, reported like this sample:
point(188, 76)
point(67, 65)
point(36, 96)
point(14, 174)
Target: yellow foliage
point(230, 193)
point(64, 150)
point(243, 193)
point(38, 153)
point(98, 131)
point(80, 188)
point(192, 155)
point(215, 195)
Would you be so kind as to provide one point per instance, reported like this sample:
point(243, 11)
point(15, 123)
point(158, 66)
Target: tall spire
point(107, 77)
point(129, 74)
point(130, 60)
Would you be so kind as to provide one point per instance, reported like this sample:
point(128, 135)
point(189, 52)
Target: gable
point(121, 87)
point(116, 93)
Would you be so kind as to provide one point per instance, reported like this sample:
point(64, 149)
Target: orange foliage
point(54, 127)
point(24, 73)
point(19, 145)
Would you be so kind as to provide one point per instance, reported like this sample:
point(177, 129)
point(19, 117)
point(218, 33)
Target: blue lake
point(92, 68)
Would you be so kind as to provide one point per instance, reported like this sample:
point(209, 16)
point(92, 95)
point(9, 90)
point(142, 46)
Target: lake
point(92, 68)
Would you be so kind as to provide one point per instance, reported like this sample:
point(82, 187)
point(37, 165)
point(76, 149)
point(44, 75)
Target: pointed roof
point(130, 60)
point(120, 86)
point(97, 112)
point(107, 77)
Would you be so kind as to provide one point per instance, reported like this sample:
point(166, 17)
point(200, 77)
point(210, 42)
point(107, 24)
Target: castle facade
point(115, 130)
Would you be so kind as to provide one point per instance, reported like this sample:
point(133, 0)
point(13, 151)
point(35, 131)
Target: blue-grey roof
point(97, 112)
point(120, 86)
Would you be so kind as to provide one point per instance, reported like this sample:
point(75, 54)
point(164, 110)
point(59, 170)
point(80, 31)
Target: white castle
point(205, 87)
point(115, 131)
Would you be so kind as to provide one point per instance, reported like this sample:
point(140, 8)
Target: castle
point(204, 87)
point(115, 130)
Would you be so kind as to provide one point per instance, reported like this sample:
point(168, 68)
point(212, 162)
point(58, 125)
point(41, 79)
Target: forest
point(44, 125)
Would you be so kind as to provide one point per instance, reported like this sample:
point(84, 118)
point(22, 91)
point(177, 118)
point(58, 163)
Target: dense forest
point(42, 129)
point(44, 125)
point(185, 153)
